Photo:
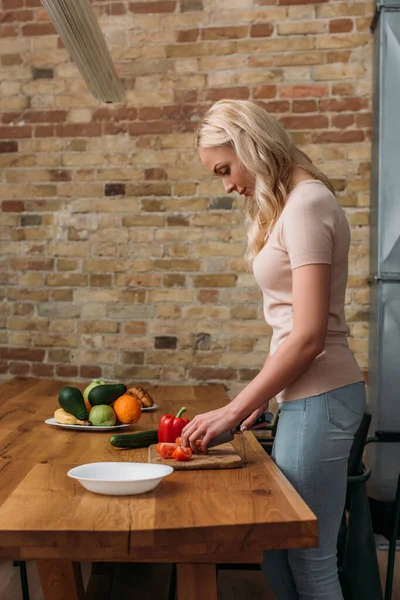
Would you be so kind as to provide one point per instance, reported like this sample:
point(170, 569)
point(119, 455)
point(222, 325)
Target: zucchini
point(139, 439)
point(71, 400)
point(106, 393)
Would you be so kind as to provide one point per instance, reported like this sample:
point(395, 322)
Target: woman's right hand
point(247, 423)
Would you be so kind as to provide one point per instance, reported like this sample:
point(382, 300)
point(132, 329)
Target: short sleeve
point(309, 229)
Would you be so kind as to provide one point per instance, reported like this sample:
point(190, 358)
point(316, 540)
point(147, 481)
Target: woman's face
point(224, 162)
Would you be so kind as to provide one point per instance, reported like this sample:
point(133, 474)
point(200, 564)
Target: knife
point(264, 419)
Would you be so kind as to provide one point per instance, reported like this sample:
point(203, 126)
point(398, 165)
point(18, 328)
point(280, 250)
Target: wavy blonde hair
point(266, 151)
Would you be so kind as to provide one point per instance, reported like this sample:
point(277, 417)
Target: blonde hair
point(266, 151)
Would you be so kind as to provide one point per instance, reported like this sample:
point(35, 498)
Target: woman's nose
point(229, 187)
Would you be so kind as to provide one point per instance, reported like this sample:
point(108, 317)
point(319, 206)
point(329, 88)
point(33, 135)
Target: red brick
point(207, 373)
point(17, 16)
point(9, 146)
point(115, 9)
point(44, 131)
point(41, 370)
point(33, 3)
point(115, 128)
point(303, 91)
point(305, 122)
point(340, 25)
point(67, 370)
point(3, 366)
point(34, 29)
point(178, 112)
point(276, 106)
point(12, 206)
point(304, 106)
point(187, 35)
point(31, 354)
point(342, 121)
point(234, 93)
point(224, 33)
point(264, 91)
point(338, 137)
point(17, 368)
point(90, 371)
point(261, 30)
point(11, 116)
point(163, 6)
point(45, 116)
point(8, 133)
point(8, 31)
point(79, 130)
point(120, 114)
point(150, 113)
point(9, 4)
point(343, 104)
point(364, 120)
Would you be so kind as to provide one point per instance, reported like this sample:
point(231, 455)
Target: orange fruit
point(127, 408)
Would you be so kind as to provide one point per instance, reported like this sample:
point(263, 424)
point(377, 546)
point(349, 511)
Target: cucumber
point(139, 439)
point(106, 393)
point(71, 400)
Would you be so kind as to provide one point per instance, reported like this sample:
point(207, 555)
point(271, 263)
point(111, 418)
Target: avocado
point(106, 393)
point(71, 400)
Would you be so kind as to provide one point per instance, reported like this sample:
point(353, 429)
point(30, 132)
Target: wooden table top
point(233, 514)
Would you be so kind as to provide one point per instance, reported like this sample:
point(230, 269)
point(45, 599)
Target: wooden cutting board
point(221, 457)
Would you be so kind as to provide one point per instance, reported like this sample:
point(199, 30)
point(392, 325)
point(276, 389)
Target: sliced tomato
point(166, 449)
point(182, 453)
point(198, 444)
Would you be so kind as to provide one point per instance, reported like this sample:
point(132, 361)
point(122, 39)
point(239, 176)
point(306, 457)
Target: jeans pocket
point(345, 406)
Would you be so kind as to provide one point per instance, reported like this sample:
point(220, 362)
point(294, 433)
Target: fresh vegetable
point(61, 416)
point(106, 393)
point(166, 449)
point(71, 400)
point(139, 439)
point(171, 426)
point(182, 453)
point(198, 444)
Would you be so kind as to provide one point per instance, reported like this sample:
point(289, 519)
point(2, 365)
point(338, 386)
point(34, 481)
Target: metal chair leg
point(172, 584)
point(24, 580)
point(392, 545)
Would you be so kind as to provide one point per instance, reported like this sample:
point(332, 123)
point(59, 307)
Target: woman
point(298, 243)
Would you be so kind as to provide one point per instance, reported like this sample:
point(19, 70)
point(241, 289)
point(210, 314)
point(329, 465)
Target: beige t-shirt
point(312, 229)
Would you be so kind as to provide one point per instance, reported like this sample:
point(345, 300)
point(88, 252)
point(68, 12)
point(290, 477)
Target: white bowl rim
point(97, 480)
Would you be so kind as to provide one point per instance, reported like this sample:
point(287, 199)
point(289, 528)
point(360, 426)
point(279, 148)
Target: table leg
point(196, 581)
point(61, 579)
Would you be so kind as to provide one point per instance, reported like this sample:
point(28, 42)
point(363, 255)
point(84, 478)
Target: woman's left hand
point(208, 425)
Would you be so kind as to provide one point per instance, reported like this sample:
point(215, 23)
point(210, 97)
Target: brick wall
point(121, 257)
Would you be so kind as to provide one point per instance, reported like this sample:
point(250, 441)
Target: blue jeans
point(311, 448)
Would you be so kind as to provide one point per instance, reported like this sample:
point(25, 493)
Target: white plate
point(52, 421)
point(146, 408)
point(119, 478)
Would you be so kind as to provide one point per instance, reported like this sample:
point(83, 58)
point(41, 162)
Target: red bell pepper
point(171, 426)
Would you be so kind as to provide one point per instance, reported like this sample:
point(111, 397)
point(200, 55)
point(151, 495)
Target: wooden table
point(196, 519)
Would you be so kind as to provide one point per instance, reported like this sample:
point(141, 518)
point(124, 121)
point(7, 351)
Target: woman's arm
point(311, 295)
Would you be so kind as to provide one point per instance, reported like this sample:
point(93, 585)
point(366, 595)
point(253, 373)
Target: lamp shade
point(77, 25)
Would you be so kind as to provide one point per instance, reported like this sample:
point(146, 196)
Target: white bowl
point(119, 478)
